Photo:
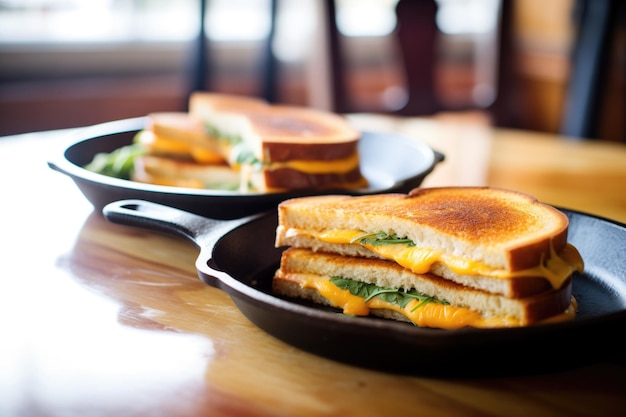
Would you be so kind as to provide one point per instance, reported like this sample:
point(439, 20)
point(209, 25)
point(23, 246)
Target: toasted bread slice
point(173, 172)
point(289, 133)
point(496, 240)
point(288, 178)
point(443, 304)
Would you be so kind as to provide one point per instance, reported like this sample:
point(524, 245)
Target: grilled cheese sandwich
point(278, 147)
point(480, 241)
point(178, 153)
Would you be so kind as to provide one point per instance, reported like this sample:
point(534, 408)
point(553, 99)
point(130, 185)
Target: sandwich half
point(178, 152)
point(279, 148)
point(498, 254)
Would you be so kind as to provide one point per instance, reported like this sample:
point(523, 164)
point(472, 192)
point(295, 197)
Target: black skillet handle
point(203, 231)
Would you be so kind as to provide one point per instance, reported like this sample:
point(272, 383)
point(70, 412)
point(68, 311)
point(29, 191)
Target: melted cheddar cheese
point(338, 166)
point(163, 144)
point(556, 269)
point(171, 182)
point(433, 314)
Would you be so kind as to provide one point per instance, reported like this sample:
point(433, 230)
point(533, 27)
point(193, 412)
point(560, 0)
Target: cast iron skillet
point(390, 162)
point(239, 257)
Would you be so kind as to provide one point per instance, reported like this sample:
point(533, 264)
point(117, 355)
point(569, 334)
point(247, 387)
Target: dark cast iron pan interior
point(239, 257)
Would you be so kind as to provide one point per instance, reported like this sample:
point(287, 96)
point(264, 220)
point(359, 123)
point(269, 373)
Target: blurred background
point(68, 63)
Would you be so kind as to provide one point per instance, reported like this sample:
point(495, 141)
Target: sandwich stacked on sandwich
point(176, 151)
point(440, 257)
point(278, 148)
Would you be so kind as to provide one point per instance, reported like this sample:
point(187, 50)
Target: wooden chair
point(416, 34)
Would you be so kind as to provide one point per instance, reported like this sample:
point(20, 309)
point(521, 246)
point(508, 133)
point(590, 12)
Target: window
point(139, 46)
point(97, 21)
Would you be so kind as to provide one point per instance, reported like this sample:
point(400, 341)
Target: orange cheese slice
point(432, 314)
point(556, 269)
point(164, 144)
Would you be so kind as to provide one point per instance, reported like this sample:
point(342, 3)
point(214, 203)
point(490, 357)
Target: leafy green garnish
point(382, 238)
point(240, 153)
point(244, 156)
point(222, 136)
point(118, 164)
point(391, 295)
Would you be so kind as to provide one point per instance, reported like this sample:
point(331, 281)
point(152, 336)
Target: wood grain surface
point(100, 319)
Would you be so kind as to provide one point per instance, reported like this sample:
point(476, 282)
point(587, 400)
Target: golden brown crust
point(306, 151)
point(287, 178)
point(484, 214)
point(285, 123)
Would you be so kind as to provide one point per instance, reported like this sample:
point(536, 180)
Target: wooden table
point(104, 320)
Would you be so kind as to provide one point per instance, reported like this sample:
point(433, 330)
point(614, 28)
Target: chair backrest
point(416, 35)
point(596, 22)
